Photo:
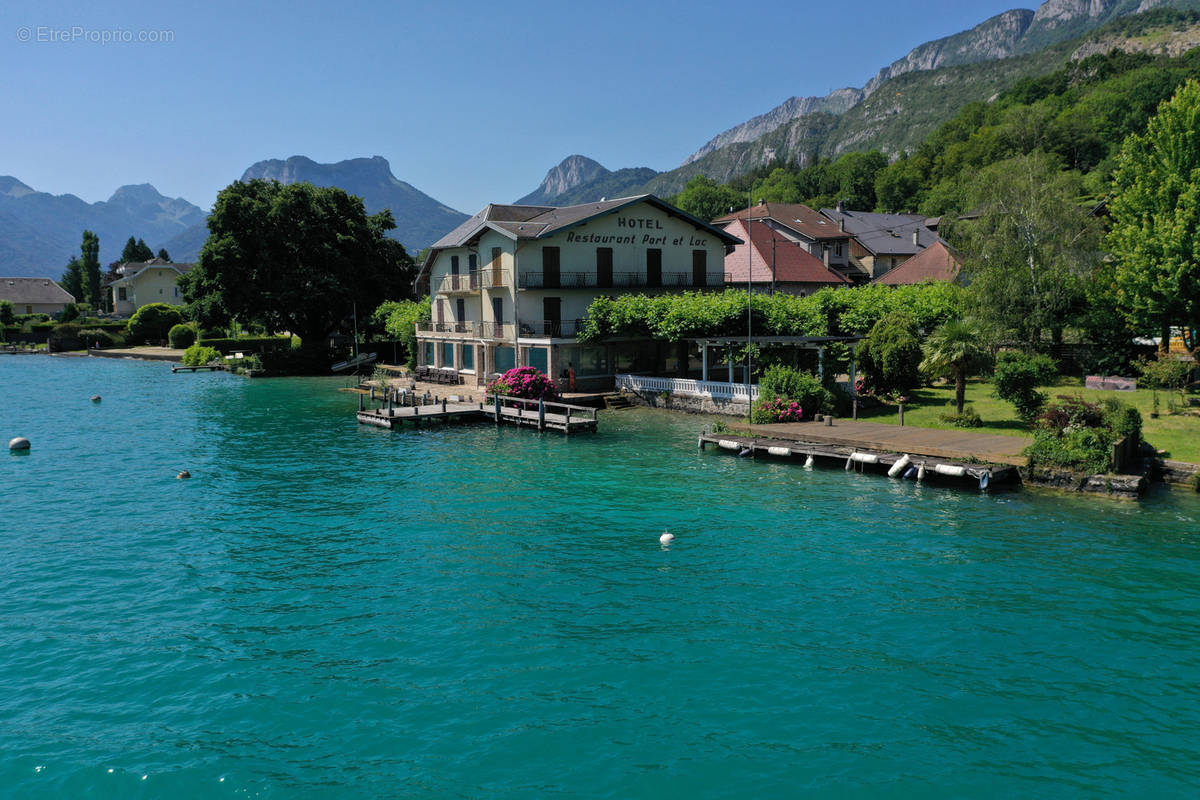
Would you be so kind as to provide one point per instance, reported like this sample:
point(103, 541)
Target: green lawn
point(1178, 434)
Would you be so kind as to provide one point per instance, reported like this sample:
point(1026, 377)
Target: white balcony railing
point(687, 386)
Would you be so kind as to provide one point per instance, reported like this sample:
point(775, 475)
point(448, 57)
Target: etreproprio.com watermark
point(74, 34)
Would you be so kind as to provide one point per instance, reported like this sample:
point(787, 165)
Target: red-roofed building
point(935, 263)
point(770, 261)
point(818, 234)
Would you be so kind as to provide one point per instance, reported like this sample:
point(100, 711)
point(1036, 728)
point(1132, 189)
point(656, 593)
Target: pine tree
point(72, 280)
point(90, 268)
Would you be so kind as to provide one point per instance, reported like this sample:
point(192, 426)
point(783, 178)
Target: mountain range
point(893, 112)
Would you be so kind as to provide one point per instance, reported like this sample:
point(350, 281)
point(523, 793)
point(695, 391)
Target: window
point(837, 249)
point(460, 310)
point(468, 357)
point(506, 359)
point(653, 267)
point(428, 360)
point(538, 357)
point(550, 267)
point(472, 261)
point(552, 316)
point(699, 267)
point(453, 265)
point(604, 267)
point(121, 295)
point(447, 354)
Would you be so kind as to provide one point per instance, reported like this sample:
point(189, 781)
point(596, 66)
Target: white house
point(139, 283)
point(35, 295)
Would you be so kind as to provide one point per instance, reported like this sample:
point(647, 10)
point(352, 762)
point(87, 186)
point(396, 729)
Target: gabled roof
point(938, 262)
point(793, 264)
point(885, 234)
point(795, 216)
point(538, 222)
point(131, 269)
point(34, 291)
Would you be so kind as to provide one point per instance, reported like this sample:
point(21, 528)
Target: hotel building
point(512, 285)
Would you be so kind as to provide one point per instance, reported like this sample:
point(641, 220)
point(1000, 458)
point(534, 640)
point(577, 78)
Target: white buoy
point(183, 475)
point(808, 462)
point(666, 538)
point(18, 444)
point(921, 472)
point(898, 467)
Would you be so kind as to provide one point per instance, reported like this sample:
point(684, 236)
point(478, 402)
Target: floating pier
point(897, 465)
point(540, 415)
point(201, 368)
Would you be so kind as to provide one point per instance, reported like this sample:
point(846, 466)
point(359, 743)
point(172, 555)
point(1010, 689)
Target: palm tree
point(955, 349)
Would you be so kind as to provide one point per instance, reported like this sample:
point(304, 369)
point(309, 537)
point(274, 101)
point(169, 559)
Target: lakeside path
point(145, 353)
point(955, 445)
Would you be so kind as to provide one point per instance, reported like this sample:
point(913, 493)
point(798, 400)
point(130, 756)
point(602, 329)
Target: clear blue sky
point(471, 102)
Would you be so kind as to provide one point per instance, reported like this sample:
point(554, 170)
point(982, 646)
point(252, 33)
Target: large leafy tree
point(703, 197)
point(955, 350)
point(295, 258)
point(1033, 248)
point(1155, 234)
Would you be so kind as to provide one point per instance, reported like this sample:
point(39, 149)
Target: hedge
point(260, 344)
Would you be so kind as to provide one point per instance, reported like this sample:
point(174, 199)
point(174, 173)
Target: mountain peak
point(11, 187)
point(574, 170)
point(137, 193)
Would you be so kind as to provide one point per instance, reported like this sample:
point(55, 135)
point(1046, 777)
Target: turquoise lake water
point(331, 610)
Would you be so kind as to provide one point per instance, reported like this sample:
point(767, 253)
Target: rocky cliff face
point(837, 102)
point(994, 38)
point(571, 172)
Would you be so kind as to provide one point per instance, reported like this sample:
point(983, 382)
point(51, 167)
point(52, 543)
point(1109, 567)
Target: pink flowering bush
point(524, 382)
point(778, 410)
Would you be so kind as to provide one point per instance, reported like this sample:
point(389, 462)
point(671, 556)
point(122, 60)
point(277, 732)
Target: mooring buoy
point(666, 538)
point(18, 444)
point(95, 398)
point(183, 475)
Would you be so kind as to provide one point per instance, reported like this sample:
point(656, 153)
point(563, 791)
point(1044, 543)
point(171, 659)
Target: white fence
point(686, 386)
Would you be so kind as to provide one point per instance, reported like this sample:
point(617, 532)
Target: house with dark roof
point(141, 282)
point(815, 232)
point(938, 262)
point(881, 242)
point(769, 262)
point(35, 295)
point(512, 284)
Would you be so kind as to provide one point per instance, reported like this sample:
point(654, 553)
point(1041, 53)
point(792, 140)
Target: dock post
point(542, 414)
point(362, 403)
point(443, 405)
point(902, 415)
point(372, 393)
point(497, 397)
point(856, 408)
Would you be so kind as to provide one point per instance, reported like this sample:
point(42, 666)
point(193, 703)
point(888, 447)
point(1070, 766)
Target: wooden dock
point(201, 368)
point(536, 414)
point(861, 458)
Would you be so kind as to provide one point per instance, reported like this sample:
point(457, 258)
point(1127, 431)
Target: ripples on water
point(331, 610)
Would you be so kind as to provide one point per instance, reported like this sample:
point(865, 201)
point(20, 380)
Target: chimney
point(825, 255)
point(916, 237)
point(841, 206)
point(841, 222)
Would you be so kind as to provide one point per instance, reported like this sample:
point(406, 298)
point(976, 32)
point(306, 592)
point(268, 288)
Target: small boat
point(360, 360)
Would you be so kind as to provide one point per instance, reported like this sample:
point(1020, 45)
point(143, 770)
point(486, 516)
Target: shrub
point(969, 418)
point(890, 357)
point(777, 410)
point(64, 337)
point(1082, 449)
point(153, 321)
point(182, 336)
point(524, 382)
point(198, 356)
point(1017, 377)
point(95, 337)
point(802, 387)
